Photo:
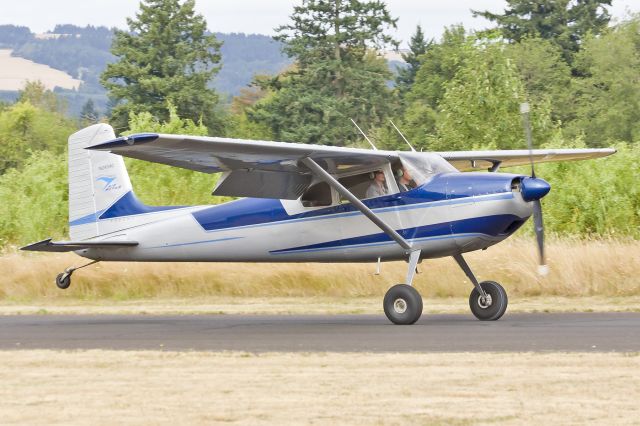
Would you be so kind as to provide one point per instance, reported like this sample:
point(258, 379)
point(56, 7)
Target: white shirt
point(376, 190)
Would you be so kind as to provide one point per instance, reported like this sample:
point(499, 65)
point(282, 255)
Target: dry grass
point(107, 387)
point(14, 73)
point(578, 268)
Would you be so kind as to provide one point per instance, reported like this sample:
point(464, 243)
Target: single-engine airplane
point(306, 203)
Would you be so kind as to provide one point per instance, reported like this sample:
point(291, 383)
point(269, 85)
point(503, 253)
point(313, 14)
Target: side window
point(317, 195)
point(360, 184)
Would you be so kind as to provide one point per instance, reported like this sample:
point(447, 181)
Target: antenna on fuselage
point(365, 136)
point(400, 133)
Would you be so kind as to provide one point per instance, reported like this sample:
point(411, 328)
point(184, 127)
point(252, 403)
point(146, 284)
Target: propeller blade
point(524, 110)
point(538, 224)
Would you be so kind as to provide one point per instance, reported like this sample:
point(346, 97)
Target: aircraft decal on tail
point(110, 183)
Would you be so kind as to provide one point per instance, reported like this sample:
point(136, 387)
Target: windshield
point(423, 165)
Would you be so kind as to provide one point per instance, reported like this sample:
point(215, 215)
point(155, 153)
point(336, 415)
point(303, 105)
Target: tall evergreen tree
point(565, 22)
point(165, 57)
point(338, 74)
point(89, 113)
point(417, 47)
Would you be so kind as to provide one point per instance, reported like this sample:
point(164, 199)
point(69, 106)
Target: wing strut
point(333, 182)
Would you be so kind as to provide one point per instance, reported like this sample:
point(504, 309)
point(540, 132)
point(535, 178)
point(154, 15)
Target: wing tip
point(124, 141)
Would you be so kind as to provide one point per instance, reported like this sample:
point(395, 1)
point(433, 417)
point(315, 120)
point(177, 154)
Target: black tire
point(63, 280)
point(498, 305)
point(402, 304)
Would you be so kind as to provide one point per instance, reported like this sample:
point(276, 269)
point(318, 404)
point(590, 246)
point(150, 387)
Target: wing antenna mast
point(365, 136)
point(400, 133)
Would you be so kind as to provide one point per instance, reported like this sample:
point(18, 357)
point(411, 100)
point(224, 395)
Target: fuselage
point(451, 213)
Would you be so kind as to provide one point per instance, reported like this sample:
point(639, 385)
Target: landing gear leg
point(488, 300)
point(63, 279)
point(402, 303)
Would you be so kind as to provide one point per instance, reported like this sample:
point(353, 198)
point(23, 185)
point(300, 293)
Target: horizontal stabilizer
point(63, 246)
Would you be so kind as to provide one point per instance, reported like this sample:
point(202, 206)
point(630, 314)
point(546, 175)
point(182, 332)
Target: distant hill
point(83, 53)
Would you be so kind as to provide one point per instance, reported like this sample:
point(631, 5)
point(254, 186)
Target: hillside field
point(15, 72)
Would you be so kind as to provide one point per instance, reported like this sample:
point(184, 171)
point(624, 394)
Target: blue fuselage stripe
point(383, 243)
point(488, 225)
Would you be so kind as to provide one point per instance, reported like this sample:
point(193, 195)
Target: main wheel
point(63, 280)
point(491, 308)
point(402, 304)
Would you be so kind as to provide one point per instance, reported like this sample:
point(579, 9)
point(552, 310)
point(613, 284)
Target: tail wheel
point(402, 304)
point(493, 306)
point(63, 280)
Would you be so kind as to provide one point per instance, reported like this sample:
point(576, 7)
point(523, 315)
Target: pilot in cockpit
point(405, 181)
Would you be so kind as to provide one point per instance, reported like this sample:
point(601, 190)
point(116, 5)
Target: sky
point(258, 16)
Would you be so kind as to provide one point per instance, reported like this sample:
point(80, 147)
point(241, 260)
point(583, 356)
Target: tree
point(546, 76)
point(37, 95)
point(607, 97)
point(588, 17)
point(12, 36)
point(438, 66)
point(565, 22)
point(34, 199)
point(166, 55)
point(480, 107)
point(417, 47)
point(338, 74)
point(25, 129)
point(89, 113)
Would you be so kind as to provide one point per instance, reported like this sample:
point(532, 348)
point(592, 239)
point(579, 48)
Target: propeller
point(538, 223)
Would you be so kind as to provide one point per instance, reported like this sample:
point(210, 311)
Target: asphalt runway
point(584, 332)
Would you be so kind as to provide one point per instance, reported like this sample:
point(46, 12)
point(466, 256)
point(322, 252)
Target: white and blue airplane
point(305, 203)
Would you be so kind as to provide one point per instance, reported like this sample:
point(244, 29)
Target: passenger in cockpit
point(377, 187)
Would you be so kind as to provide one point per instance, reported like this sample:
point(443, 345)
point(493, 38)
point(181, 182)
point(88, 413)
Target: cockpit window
point(317, 195)
point(364, 185)
point(423, 165)
point(358, 184)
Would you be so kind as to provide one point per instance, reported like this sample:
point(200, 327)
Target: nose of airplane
point(534, 188)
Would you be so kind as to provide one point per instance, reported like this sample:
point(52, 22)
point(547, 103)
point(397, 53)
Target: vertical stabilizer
point(96, 181)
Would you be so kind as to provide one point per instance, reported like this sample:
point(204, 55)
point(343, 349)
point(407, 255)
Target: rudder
point(96, 180)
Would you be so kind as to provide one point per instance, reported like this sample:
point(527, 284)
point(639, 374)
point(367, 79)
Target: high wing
point(476, 160)
point(274, 170)
point(253, 168)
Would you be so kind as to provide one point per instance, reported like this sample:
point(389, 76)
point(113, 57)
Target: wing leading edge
point(476, 160)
